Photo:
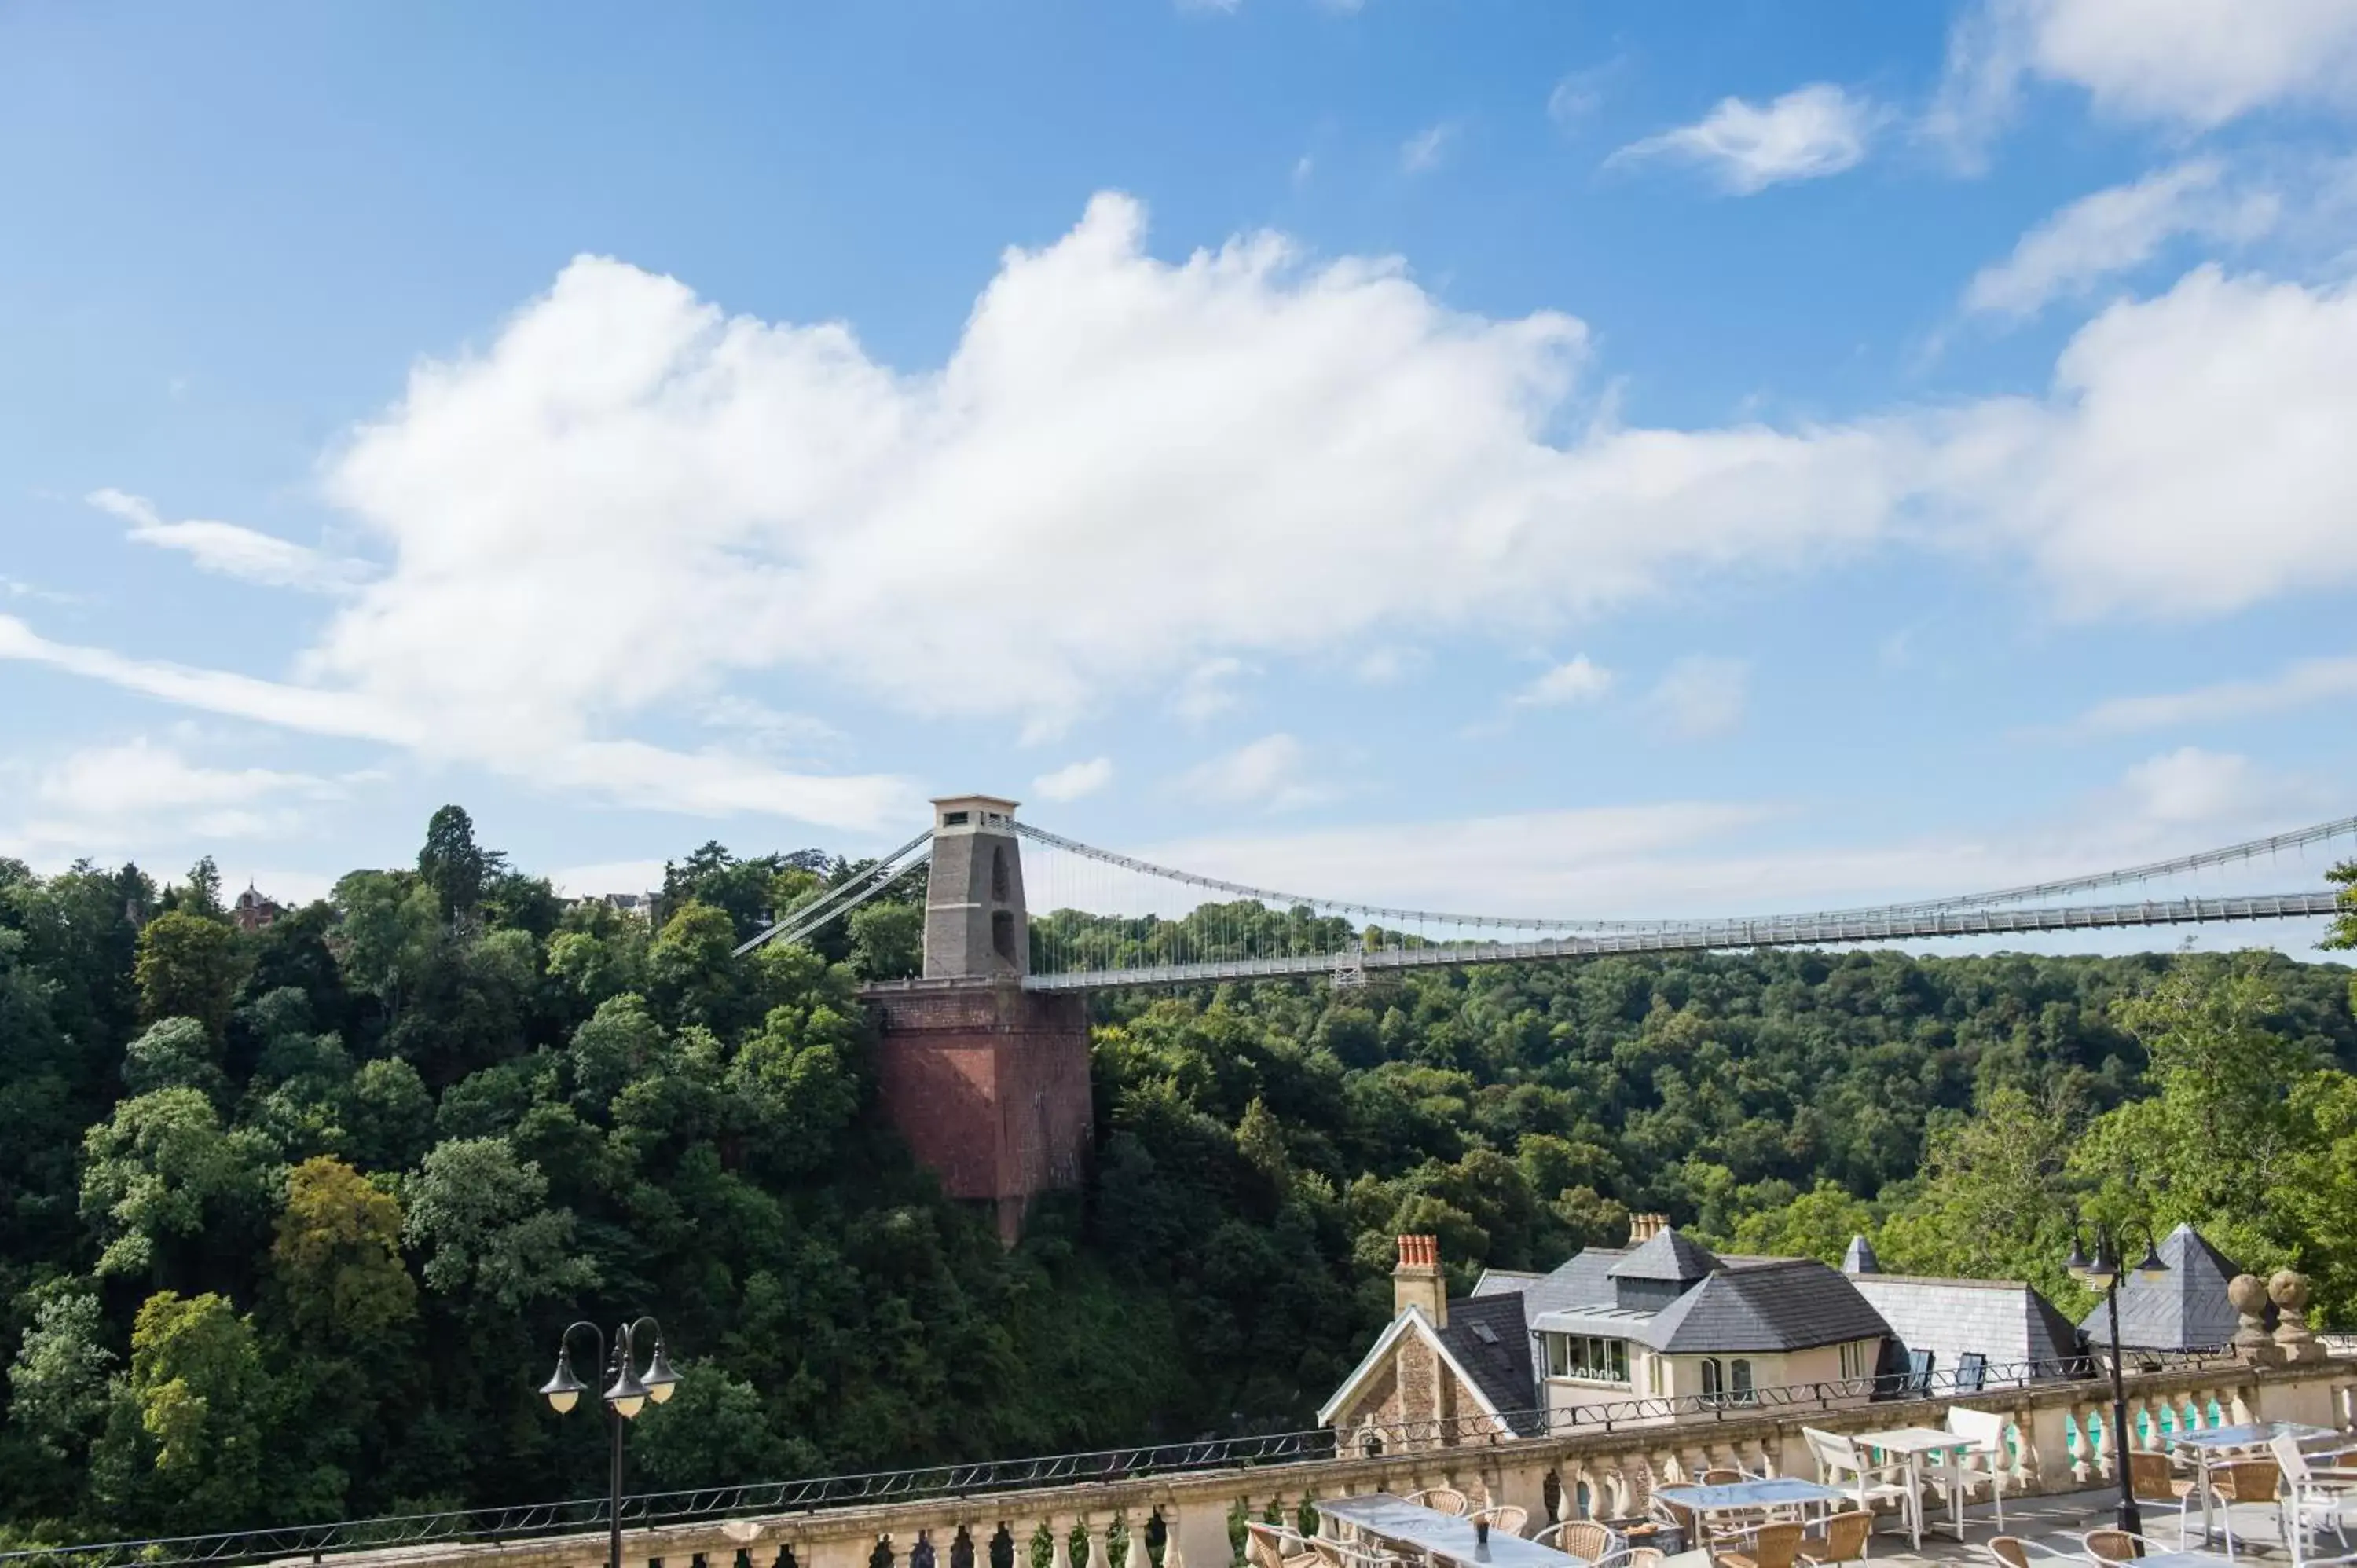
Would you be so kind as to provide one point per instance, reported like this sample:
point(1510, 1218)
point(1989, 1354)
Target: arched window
point(1741, 1372)
point(1002, 887)
point(1711, 1385)
point(1001, 933)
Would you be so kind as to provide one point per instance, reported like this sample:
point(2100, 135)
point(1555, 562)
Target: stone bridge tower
point(987, 1082)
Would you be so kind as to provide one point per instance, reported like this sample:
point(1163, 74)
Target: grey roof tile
point(1790, 1306)
point(1491, 1340)
point(1860, 1258)
point(1666, 1256)
point(2185, 1309)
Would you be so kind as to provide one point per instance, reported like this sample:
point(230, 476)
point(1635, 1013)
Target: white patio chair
point(2311, 1496)
point(1842, 1464)
point(1984, 1464)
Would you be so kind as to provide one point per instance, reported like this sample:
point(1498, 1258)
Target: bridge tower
point(988, 1082)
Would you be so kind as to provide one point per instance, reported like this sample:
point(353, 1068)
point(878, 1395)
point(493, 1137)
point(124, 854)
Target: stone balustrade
point(2055, 1438)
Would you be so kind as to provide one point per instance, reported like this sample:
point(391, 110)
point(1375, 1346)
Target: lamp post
point(624, 1399)
point(2103, 1272)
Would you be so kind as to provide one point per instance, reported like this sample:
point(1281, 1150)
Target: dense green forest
point(290, 1218)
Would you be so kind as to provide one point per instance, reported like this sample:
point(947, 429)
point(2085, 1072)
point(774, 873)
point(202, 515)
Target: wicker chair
point(2154, 1478)
point(2117, 1545)
point(1506, 1518)
point(1772, 1546)
point(1843, 1541)
point(2243, 1481)
point(1581, 1537)
point(1442, 1499)
point(1272, 1546)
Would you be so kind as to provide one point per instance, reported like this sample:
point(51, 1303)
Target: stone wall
point(989, 1084)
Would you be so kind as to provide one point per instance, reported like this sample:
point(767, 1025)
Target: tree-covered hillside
point(290, 1218)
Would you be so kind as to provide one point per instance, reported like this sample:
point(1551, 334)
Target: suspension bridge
point(1114, 921)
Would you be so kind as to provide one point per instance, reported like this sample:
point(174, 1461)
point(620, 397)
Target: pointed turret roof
point(1668, 1256)
point(1860, 1258)
point(2185, 1309)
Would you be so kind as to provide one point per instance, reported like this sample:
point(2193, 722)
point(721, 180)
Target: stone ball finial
point(2289, 1289)
point(2249, 1295)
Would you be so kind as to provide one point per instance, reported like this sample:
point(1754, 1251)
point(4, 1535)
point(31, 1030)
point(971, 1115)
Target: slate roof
point(1666, 1255)
point(1791, 1306)
point(1860, 1258)
point(1747, 1304)
point(2185, 1309)
point(1491, 1341)
point(2004, 1320)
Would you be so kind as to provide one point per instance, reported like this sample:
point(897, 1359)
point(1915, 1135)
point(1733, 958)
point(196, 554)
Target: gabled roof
point(2185, 1309)
point(1491, 1344)
point(1484, 1364)
point(1666, 1256)
point(1790, 1306)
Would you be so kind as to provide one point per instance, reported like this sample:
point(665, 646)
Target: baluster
point(1060, 1541)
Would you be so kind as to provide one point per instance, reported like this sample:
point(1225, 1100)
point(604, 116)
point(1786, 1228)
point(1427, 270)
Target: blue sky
point(1639, 460)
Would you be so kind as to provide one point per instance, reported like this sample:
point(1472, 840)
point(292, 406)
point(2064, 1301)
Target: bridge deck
point(1703, 934)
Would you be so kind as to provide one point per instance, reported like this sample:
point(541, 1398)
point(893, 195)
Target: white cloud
point(772, 729)
point(2193, 459)
point(1130, 469)
point(229, 550)
point(1701, 696)
point(1581, 680)
point(1266, 772)
point(2191, 785)
point(1382, 666)
point(138, 777)
point(2189, 63)
point(2114, 230)
point(1075, 781)
point(1808, 133)
point(2296, 685)
point(1579, 94)
point(1207, 689)
point(1424, 151)
point(629, 772)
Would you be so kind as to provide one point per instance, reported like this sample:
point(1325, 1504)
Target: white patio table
point(1446, 1536)
point(1915, 1442)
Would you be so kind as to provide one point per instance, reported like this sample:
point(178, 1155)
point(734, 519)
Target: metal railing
point(494, 1526)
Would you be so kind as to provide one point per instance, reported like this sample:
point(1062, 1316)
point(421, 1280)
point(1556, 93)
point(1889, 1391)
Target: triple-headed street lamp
point(628, 1395)
point(2103, 1272)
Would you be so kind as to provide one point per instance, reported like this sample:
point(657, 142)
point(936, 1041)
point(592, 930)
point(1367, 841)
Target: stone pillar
point(2293, 1336)
point(2253, 1345)
point(989, 1084)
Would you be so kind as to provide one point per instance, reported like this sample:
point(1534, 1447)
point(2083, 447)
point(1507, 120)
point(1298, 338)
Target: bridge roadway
point(1767, 931)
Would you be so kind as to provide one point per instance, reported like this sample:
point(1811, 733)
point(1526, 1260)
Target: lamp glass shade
point(660, 1379)
point(2152, 1267)
point(628, 1396)
point(2077, 1262)
point(563, 1390)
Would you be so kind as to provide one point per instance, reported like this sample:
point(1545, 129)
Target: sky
point(1546, 458)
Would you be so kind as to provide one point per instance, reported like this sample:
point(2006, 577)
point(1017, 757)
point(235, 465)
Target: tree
point(57, 1389)
point(481, 1217)
point(337, 1259)
point(713, 1432)
point(200, 1397)
point(162, 1168)
point(887, 941)
point(200, 895)
point(187, 969)
point(176, 1053)
point(2344, 925)
point(452, 864)
point(1995, 1199)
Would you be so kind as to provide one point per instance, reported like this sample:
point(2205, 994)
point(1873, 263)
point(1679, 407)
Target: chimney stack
point(1643, 1228)
point(1418, 1281)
